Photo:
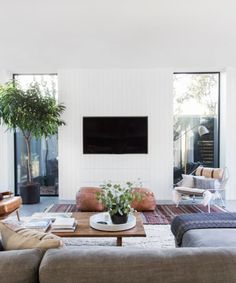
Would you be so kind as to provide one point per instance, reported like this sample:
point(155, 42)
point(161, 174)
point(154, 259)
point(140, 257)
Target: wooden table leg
point(119, 241)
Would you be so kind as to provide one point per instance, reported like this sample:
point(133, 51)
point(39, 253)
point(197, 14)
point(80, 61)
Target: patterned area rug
point(162, 215)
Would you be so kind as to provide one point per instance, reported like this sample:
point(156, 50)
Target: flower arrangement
point(118, 199)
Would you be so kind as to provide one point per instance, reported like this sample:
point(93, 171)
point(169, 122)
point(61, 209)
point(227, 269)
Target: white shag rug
point(158, 236)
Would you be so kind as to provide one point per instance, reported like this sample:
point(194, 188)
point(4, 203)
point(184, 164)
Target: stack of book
point(64, 225)
point(52, 215)
point(38, 224)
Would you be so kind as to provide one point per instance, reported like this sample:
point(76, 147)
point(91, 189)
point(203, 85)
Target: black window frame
point(219, 104)
point(14, 135)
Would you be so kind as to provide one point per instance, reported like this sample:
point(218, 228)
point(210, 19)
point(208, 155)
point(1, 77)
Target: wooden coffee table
point(83, 229)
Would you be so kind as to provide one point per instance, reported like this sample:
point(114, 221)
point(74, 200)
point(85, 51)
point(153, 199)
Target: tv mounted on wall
point(115, 135)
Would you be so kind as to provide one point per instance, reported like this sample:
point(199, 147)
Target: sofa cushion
point(16, 238)
point(20, 266)
point(115, 264)
point(147, 203)
point(86, 199)
point(1, 247)
point(222, 237)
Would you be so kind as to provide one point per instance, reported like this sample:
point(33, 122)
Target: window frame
point(14, 134)
point(219, 104)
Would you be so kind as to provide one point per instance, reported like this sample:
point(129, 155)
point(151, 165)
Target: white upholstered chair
point(208, 183)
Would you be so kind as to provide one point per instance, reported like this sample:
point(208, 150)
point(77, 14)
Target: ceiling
point(47, 35)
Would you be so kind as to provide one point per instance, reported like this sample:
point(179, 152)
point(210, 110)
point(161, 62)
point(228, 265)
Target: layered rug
point(162, 215)
point(158, 236)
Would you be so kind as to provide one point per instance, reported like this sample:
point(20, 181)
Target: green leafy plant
point(36, 115)
point(117, 198)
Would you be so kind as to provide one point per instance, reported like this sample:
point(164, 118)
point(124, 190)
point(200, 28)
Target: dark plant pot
point(119, 219)
point(49, 180)
point(30, 193)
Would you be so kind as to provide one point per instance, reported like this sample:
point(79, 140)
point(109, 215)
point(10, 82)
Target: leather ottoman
point(86, 200)
point(148, 202)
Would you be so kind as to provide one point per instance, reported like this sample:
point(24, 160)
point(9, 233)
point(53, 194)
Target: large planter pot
point(119, 219)
point(49, 180)
point(30, 193)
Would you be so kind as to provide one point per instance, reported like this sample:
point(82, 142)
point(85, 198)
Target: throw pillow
point(206, 184)
point(187, 181)
point(214, 173)
point(14, 237)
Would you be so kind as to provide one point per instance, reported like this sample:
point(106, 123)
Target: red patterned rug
point(162, 215)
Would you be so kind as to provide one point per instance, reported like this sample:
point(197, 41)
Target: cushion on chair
point(194, 191)
point(216, 173)
point(207, 184)
point(8, 205)
point(187, 181)
point(86, 199)
point(148, 202)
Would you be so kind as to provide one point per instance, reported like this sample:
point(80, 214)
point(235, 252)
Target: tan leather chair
point(9, 204)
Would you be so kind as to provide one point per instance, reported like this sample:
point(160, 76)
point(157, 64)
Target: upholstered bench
point(9, 205)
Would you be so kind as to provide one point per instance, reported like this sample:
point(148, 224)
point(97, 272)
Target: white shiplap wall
point(116, 93)
point(228, 129)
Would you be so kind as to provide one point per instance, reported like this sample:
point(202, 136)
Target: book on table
point(64, 225)
point(38, 224)
point(52, 215)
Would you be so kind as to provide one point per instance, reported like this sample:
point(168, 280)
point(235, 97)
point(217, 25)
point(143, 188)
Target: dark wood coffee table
point(83, 229)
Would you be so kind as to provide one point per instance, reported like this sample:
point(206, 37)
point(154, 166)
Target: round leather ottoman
point(148, 202)
point(86, 200)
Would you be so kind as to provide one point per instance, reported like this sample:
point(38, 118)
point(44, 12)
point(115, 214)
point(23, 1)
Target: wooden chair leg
point(17, 214)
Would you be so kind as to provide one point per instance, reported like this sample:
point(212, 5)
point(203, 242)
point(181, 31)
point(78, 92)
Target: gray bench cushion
point(118, 264)
point(223, 237)
point(20, 266)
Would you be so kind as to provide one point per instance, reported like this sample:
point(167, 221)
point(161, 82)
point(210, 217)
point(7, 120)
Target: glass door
point(196, 121)
point(44, 151)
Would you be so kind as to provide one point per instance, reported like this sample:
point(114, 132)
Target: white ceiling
point(46, 35)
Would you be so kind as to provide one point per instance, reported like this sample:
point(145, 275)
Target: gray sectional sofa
point(205, 230)
point(119, 265)
point(224, 237)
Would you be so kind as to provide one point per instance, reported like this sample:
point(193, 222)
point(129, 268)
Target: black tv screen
point(115, 135)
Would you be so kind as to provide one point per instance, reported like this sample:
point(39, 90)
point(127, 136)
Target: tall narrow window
point(44, 151)
point(196, 121)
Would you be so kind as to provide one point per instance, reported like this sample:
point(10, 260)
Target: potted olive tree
point(35, 115)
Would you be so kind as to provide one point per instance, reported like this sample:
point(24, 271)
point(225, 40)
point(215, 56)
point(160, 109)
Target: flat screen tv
point(115, 135)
